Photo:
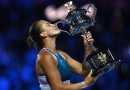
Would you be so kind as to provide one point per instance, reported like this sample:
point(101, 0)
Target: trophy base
point(101, 61)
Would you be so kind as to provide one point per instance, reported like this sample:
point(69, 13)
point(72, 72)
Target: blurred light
point(113, 74)
point(4, 84)
point(13, 74)
point(60, 13)
point(126, 52)
point(5, 57)
point(30, 56)
point(33, 88)
point(129, 51)
point(101, 82)
point(124, 85)
point(50, 13)
point(26, 73)
point(108, 81)
point(54, 14)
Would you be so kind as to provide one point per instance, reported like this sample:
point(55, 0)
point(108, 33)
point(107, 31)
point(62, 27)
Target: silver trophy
point(78, 20)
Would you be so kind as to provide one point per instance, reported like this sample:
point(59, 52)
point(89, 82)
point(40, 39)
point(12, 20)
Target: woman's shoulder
point(43, 55)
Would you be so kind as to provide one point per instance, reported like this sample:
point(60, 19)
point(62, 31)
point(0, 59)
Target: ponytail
point(34, 38)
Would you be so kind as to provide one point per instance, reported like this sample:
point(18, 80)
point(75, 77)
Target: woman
point(54, 67)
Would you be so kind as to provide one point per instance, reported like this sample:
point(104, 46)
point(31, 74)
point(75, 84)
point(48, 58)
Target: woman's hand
point(88, 49)
point(89, 80)
point(89, 38)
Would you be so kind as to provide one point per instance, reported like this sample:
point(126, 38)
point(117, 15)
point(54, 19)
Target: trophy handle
point(86, 35)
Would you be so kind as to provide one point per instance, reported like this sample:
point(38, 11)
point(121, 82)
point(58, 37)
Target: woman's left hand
point(89, 38)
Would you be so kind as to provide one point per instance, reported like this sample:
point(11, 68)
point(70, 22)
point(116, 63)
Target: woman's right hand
point(89, 80)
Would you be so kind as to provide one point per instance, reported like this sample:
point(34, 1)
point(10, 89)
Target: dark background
point(17, 60)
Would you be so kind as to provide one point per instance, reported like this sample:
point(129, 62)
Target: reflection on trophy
point(80, 19)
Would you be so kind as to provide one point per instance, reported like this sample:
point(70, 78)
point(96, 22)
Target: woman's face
point(50, 29)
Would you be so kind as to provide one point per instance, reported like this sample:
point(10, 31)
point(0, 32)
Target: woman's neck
point(50, 43)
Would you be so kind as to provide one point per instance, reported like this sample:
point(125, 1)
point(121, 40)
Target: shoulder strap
point(61, 55)
point(50, 53)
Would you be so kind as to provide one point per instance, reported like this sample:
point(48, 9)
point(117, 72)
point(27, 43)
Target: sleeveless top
point(63, 68)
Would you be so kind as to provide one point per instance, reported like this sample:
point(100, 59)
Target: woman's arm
point(49, 66)
point(88, 50)
point(84, 68)
point(76, 67)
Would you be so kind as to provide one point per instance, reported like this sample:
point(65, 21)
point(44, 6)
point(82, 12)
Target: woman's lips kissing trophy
point(79, 20)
